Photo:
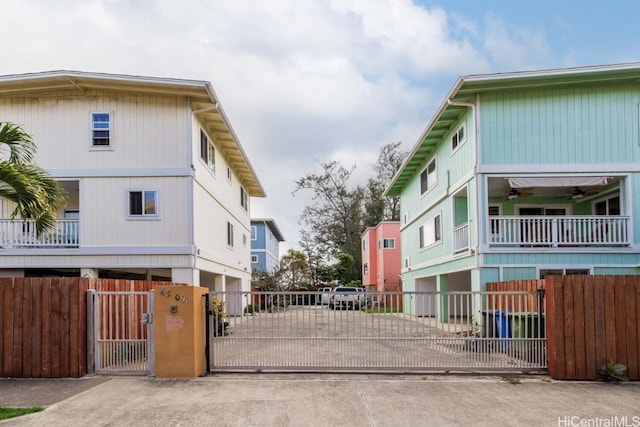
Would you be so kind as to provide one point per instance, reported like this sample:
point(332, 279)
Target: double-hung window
point(229, 234)
point(430, 232)
point(143, 203)
point(458, 138)
point(428, 177)
point(244, 199)
point(100, 129)
point(207, 151)
point(388, 243)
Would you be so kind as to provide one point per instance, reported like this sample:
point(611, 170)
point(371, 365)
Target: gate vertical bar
point(151, 365)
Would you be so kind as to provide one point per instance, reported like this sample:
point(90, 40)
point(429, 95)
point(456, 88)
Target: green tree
point(294, 270)
point(335, 214)
point(34, 191)
point(377, 206)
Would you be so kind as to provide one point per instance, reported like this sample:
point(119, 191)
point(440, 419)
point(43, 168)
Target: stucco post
point(179, 331)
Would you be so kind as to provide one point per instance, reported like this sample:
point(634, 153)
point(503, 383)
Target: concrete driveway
point(331, 400)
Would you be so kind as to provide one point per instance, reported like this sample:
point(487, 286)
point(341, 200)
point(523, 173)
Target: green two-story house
point(521, 175)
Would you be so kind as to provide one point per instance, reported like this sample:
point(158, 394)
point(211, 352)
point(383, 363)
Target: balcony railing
point(23, 234)
point(461, 237)
point(558, 231)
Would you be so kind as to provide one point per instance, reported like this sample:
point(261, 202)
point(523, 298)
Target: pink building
point(381, 261)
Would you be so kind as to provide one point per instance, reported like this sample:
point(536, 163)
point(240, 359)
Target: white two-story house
point(158, 184)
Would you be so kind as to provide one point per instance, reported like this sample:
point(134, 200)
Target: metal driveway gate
point(122, 332)
point(394, 331)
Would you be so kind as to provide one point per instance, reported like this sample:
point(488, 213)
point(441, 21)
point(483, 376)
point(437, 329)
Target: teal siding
point(563, 259)
point(518, 273)
point(560, 126)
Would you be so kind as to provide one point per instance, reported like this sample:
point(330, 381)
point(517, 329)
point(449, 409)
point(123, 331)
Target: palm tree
point(36, 194)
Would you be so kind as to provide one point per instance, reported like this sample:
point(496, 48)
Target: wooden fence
point(590, 320)
point(515, 302)
point(43, 324)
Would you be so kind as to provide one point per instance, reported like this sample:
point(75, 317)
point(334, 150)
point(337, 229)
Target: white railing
point(461, 237)
point(554, 231)
point(23, 234)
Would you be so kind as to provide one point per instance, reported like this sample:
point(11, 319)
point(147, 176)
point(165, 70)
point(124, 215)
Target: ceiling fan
point(578, 193)
point(519, 192)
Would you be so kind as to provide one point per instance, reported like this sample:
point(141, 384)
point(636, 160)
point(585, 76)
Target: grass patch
point(6, 413)
point(376, 310)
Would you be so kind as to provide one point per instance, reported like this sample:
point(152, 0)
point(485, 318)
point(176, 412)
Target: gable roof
point(466, 89)
point(271, 223)
point(203, 99)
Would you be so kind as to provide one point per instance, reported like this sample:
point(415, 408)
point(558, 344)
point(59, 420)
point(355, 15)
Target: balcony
point(461, 238)
point(558, 231)
point(22, 234)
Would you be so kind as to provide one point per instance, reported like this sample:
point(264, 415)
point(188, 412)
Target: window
point(365, 268)
point(388, 243)
point(244, 239)
point(254, 232)
point(458, 138)
point(229, 234)
point(100, 129)
point(406, 263)
point(207, 151)
point(229, 175)
point(610, 206)
point(143, 203)
point(254, 259)
point(364, 244)
point(428, 177)
point(430, 232)
point(244, 199)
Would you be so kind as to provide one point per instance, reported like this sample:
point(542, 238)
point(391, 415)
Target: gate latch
point(146, 318)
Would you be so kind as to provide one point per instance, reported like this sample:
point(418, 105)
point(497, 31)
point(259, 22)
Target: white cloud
point(301, 80)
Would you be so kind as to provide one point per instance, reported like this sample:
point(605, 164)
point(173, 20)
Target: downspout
point(476, 157)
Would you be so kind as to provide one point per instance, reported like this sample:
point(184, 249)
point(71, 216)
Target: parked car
point(325, 296)
point(345, 297)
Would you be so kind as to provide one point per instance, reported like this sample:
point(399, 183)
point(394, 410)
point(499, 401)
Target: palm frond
point(20, 145)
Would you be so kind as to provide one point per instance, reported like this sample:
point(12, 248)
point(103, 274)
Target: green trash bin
point(528, 333)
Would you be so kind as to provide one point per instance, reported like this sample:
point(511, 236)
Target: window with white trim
point(430, 232)
point(428, 177)
point(229, 175)
point(143, 203)
point(229, 234)
point(388, 243)
point(254, 259)
point(244, 199)
point(254, 232)
point(364, 244)
point(207, 151)
point(458, 138)
point(244, 239)
point(100, 129)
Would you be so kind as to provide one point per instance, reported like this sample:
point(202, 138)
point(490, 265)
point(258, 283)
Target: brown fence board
point(27, 342)
point(579, 319)
point(36, 361)
point(589, 332)
point(16, 368)
point(600, 313)
point(569, 331)
point(46, 327)
point(631, 314)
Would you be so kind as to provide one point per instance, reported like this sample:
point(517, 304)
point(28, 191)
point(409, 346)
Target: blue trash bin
point(503, 328)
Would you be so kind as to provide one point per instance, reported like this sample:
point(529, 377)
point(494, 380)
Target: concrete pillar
point(188, 276)
point(442, 303)
point(179, 331)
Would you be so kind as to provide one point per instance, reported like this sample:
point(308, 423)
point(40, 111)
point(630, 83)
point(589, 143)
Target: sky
point(309, 81)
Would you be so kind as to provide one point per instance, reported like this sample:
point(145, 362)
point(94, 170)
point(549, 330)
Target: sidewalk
point(325, 400)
